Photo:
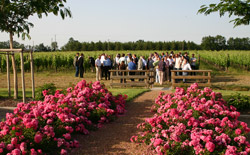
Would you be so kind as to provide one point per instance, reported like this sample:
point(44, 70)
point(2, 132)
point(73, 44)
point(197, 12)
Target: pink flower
point(16, 152)
point(10, 147)
point(33, 152)
point(63, 152)
point(14, 140)
point(38, 138)
point(238, 131)
point(210, 146)
point(67, 136)
point(157, 142)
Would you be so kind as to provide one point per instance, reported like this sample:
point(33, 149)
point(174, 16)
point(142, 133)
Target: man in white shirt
point(123, 59)
point(186, 66)
point(98, 65)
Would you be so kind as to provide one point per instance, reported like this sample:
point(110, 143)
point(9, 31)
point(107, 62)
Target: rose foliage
point(194, 121)
point(41, 127)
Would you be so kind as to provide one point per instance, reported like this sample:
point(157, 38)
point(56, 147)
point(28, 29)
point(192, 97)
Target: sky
point(131, 20)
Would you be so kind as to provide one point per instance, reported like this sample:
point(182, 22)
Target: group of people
point(162, 64)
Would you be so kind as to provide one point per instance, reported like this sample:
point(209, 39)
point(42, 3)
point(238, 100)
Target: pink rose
point(14, 140)
point(238, 131)
point(157, 142)
point(38, 138)
point(210, 146)
point(16, 152)
point(67, 136)
point(63, 152)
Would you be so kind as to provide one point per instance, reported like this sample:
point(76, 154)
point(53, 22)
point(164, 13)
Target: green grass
point(4, 92)
point(227, 93)
point(131, 93)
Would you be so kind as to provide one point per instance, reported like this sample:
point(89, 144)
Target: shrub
point(241, 102)
point(42, 127)
point(194, 122)
point(50, 89)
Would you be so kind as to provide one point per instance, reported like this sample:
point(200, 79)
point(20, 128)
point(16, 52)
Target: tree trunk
point(14, 68)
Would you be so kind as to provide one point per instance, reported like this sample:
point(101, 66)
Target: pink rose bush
point(41, 127)
point(194, 121)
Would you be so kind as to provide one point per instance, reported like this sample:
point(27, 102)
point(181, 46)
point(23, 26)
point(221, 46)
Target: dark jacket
point(80, 62)
point(161, 66)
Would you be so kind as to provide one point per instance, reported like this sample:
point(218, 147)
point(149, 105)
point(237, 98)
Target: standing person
point(187, 57)
point(80, 64)
point(106, 67)
point(150, 62)
point(136, 59)
point(98, 65)
point(122, 66)
point(92, 63)
point(177, 65)
point(193, 64)
point(157, 79)
point(116, 61)
point(75, 63)
point(161, 68)
point(171, 66)
point(132, 66)
point(186, 66)
point(150, 66)
point(102, 68)
point(122, 58)
point(167, 74)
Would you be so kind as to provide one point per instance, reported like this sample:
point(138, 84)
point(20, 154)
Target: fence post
point(111, 79)
point(173, 78)
point(209, 79)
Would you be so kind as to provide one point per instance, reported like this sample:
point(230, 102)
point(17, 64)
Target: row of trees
point(220, 43)
point(208, 43)
point(40, 47)
point(75, 45)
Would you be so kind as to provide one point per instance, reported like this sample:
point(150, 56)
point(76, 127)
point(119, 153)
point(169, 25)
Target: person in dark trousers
point(122, 66)
point(132, 66)
point(75, 63)
point(92, 63)
point(106, 67)
point(80, 64)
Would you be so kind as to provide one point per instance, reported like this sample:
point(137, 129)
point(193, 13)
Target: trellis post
point(8, 73)
point(22, 76)
point(32, 74)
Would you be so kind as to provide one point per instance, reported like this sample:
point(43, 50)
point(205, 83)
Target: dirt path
point(114, 138)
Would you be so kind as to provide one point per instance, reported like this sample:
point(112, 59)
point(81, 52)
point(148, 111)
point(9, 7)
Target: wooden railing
point(202, 77)
point(139, 78)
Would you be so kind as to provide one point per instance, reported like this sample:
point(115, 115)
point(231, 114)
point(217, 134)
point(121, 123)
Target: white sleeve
point(189, 67)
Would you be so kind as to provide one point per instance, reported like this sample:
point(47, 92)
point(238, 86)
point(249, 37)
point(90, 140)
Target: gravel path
point(114, 138)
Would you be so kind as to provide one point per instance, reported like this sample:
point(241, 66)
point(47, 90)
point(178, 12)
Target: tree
point(14, 20)
point(72, 45)
point(42, 48)
point(238, 8)
point(54, 46)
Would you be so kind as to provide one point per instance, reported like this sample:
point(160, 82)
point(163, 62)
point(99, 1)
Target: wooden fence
point(202, 77)
point(132, 78)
